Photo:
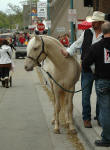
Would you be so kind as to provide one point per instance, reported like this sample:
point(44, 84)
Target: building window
point(88, 3)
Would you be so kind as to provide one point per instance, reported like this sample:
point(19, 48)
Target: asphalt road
point(24, 125)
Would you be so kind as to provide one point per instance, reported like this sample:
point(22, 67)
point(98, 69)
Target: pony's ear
point(37, 37)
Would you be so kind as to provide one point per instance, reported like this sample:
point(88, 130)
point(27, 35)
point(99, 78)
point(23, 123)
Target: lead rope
point(50, 76)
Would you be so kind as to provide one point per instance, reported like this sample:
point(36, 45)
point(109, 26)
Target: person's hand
point(64, 53)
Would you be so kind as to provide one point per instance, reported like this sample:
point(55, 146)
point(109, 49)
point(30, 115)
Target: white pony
point(65, 71)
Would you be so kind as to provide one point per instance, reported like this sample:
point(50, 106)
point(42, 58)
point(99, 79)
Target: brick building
point(102, 5)
point(59, 14)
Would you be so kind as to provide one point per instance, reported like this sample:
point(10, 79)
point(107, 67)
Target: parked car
point(20, 41)
point(20, 51)
point(6, 36)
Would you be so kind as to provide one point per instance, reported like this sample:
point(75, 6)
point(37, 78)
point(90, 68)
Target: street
point(23, 122)
point(26, 113)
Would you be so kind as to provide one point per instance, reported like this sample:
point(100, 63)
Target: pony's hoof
point(73, 131)
point(56, 131)
point(53, 122)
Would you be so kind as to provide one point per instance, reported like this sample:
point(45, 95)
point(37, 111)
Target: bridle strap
point(42, 51)
point(31, 58)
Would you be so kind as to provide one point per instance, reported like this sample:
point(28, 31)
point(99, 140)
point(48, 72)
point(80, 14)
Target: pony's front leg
point(70, 111)
point(53, 120)
point(57, 110)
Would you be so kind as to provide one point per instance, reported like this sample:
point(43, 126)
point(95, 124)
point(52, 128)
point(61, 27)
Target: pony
point(65, 71)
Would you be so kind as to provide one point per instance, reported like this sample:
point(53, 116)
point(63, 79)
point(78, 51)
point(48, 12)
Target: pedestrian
point(5, 62)
point(21, 39)
point(100, 55)
point(65, 40)
point(87, 38)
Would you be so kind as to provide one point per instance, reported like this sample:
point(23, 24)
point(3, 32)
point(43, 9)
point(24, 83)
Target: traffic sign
point(41, 27)
point(42, 9)
point(32, 27)
point(48, 23)
point(72, 15)
point(60, 29)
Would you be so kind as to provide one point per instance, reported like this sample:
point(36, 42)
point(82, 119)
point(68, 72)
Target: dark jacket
point(87, 42)
point(99, 54)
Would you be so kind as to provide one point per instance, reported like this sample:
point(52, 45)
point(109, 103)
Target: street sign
point(41, 27)
point(17, 26)
point(72, 15)
point(32, 26)
point(60, 29)
point(42, 9)
point(48, 23)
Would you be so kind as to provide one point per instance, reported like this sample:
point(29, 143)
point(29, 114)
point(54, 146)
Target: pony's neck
point(54, 54)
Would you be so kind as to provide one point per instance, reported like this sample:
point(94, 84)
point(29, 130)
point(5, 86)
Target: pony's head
point(35, 53)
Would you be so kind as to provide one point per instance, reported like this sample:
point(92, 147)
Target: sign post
point(71, 24)
point(48, 14)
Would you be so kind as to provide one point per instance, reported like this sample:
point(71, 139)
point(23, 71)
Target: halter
point(42, 51)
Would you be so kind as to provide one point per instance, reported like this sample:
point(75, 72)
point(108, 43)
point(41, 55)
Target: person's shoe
point(6, 83)
point(96, 118)
point(102, 143)
point(98, 123)
point(87, 124)
point(3, 83)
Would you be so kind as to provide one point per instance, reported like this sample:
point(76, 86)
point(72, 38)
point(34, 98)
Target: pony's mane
point(30, 44)
point(52, 38)
point(60, 44)
point(33, 42)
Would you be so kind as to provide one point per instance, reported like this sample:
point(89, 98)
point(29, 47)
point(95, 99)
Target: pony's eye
point(35, 49)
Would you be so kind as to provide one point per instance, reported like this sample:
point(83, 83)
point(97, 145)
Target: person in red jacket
point(22, 39)
point(64, 40)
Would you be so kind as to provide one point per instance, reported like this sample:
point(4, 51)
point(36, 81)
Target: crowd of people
point(20, 39)
point(95, 47)
point(7, 45)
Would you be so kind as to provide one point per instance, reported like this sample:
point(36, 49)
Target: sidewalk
point(88, 136)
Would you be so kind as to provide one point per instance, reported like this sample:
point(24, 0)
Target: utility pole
point(31, 10)
point(71, 24)
point(48, 15)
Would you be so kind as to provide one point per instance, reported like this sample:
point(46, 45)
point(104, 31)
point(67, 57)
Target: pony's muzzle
point(27, 68)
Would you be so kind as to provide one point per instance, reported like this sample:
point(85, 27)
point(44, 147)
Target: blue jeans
point(86, 84)
point(103, 94)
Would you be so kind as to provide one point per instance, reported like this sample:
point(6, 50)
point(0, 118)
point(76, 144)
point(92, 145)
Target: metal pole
point(48, 14)
point(31, 10)
point(71, 24)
